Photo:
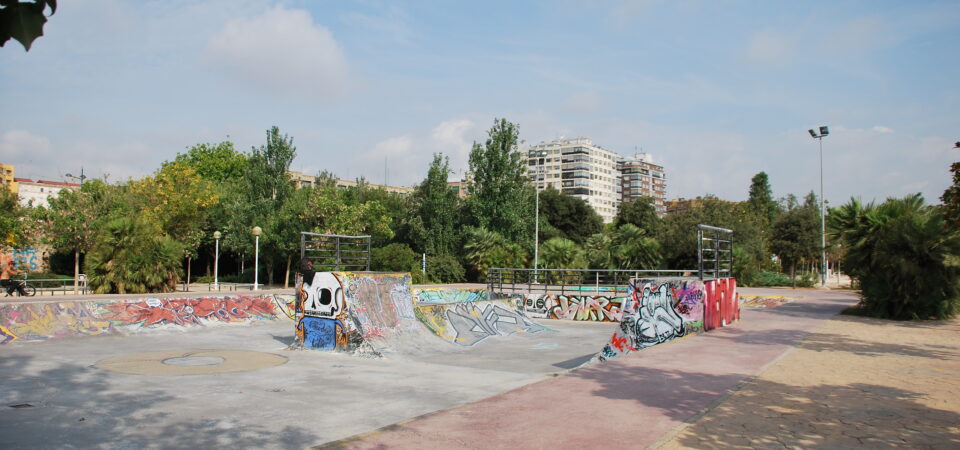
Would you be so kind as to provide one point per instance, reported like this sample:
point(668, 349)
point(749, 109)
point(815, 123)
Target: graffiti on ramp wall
point(467, 324)
point(658, 311)
point(584, 308)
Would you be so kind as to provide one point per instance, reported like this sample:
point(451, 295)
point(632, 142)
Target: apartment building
point(6, 178)
point(579, 168)
point(640, 177)
point(300, 180)
point(39, 192)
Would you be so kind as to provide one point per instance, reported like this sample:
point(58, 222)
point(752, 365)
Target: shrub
point(766, 279)
point(444, 269)
point(394, 257)
point(130, 258)
point(904, 256)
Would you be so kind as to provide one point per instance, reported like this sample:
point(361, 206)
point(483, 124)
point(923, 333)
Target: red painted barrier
point(722, 303)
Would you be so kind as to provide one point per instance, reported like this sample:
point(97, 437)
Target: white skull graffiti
point(324, 296)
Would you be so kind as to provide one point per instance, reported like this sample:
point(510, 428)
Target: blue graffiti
point(320, 333)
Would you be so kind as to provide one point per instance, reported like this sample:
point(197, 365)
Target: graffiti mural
point(765, 301)
point(42, 321)
point(323, 334)
point(467, 324)
point(323, 296)
point(657, 311)
point(29, 258)
point(597, 308)
point(191, 311)
point(445, 295)
point(721, 303)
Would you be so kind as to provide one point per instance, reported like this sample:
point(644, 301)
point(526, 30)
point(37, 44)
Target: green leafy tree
point(906, 262)
point(796, 237)
point(444, 269)
point(761, 198)
point(285, 225)
point(571, 217)
point(678, 233)
point(601, 253)
point(23, 20)
point(951, 196)
point(560, 253)
point(215, 163)
point(76, 216)
point(436, 211)
point(501, 195)
point(639, 212)
point(634, 249)
point(12, 229)
point(485, 249)
point(394, 258)
point(130, 258)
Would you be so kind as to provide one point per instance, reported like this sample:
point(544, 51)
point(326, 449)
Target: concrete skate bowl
point(41, 321)
point(371, 313)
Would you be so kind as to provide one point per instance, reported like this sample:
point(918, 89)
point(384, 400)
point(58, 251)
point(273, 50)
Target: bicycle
point(20, 286)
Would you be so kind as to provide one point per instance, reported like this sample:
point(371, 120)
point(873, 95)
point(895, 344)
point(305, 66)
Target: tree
point(216, 163)
point(634, 249)
point(12, 230)
point(23, 20)
point(285, 225)
point(572, 217)
point(795, 238)
point(501, 196)
point(485, 249)
point(639, 212)
point(436, 211)
point(176, 198)
point(761, 198)
point(678, 231)
point(129, 257)
point(903, 255)
point(951, 196)
point(75, 217)
point(601, 253)
point(560, 253)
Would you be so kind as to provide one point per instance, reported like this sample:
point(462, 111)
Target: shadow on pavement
point(769, 414)
point(76, 405)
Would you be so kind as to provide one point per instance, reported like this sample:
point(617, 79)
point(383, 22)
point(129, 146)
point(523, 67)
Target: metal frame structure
point(334, 252)
point(719, 248)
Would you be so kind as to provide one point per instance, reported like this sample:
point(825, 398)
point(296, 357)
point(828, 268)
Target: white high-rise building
point(578, 168)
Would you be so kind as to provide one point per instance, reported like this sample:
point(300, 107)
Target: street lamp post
point(824, 131)
point(216, 261)
point(256, 259)
point(536, 221)
point(81, 177)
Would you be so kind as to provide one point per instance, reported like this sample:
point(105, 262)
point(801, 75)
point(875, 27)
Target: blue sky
point(716, 91)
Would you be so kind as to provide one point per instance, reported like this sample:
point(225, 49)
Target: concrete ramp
point(366, 313)
point(468, 323)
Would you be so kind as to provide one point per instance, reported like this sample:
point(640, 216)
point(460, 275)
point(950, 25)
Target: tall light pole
point(824, 131)
point(81, 177)
point(536, 221)
point(216, 261)
point(256, 259)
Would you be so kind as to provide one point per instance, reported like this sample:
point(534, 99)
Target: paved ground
point(68, 392)
point(800, 376)
point(854, 382)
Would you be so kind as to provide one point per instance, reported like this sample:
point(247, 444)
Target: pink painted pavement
point(631, 402)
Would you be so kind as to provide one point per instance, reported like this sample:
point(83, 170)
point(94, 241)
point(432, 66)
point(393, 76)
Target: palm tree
point(634, 250)
point(130, 257)
point(561, 253)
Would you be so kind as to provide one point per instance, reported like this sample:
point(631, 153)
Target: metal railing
point(51, 286)
point(714, 252)
point(572, 281)
point(335, 252)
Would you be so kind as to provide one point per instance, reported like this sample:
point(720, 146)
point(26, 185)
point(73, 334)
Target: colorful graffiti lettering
point(42, 321)
point(769, 301)
point(442, 295)
point(598, 308)
point(473, 324)
point(658, 311)
point(194, 311)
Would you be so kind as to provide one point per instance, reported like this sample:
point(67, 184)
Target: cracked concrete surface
point(854, 382)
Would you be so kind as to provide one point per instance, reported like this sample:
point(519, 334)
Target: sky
point(715, 91)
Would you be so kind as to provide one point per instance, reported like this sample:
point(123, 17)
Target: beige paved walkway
point(855, 382)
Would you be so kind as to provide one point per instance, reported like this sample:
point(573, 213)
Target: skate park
point(491, 365)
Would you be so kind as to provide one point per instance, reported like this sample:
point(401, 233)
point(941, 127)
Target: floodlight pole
point(536, 220)
point(823, 222)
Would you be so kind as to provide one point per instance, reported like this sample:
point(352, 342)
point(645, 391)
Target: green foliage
point(444, 269)
point(501, 197)
point(560, 253)
point(216, 163)
point(904, 256)
point(129, 258)
point(485, 249)
point(436, 210)
point(761, 198)
point(744, 268)
point(571, 217)
point(634, 250)
point(600, 252)
point(951, 196)
point(639, 212)
point(12, 230)
point(23, 20)
point(796, 237)
point(678, 232)
point(394, 258)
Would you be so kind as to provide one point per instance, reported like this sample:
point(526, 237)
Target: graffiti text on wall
point(598, 309)
point(155, 311)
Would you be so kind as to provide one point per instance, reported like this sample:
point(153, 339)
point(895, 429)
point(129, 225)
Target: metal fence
point(572, 281)
point(335, 252)
point(714, 252)
point(53, 286)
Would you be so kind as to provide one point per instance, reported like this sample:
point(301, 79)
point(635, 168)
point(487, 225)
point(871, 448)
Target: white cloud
point(882, 129)
point(282, 52)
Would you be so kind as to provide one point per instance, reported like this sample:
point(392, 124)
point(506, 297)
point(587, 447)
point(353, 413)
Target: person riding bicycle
point(8, 271)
